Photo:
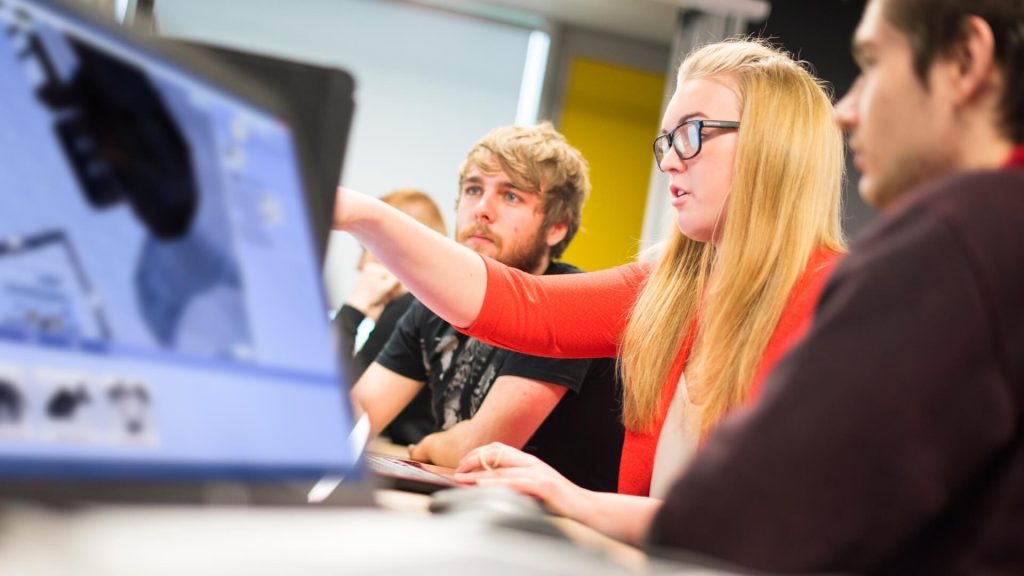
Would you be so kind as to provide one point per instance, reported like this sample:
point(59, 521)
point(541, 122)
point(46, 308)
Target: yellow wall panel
point(611, 114)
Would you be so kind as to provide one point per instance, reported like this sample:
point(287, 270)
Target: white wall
point(429, 84)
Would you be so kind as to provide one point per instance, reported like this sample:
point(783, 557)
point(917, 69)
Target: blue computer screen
point(161, 310)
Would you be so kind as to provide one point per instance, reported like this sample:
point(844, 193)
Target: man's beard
point(526, 256)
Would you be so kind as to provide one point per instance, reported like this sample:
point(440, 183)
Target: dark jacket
point(891, 440)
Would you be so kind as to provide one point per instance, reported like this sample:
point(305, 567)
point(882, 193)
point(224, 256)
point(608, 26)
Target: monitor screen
point(320, 104)
point(161, 308)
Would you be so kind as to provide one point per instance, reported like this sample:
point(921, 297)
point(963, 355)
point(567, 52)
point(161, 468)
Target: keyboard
point(410, 475)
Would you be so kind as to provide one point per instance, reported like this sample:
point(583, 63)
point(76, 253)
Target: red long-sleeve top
point(584, 316)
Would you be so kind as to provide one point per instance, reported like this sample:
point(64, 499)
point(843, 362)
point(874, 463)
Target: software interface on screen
point(160, 302)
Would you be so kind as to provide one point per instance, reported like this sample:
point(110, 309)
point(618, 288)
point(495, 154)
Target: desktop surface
point(164, 541)
point(153, 541)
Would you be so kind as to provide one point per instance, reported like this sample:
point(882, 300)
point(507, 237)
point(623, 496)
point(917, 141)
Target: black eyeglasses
point(686, 138)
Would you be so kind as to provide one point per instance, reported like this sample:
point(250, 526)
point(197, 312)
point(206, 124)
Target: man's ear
point(556, 233)
point(974, 61)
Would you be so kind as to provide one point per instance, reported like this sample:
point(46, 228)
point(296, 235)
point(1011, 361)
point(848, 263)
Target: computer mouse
point(497, 506)
point(490, 499)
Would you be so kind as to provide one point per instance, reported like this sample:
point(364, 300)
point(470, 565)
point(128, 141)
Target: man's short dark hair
point(935, 27)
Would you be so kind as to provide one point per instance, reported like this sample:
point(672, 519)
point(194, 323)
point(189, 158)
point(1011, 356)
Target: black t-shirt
point(581, 438)
point(348, 320)
point(415, 420)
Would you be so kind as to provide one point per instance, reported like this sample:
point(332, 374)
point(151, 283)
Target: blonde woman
point(755, 164)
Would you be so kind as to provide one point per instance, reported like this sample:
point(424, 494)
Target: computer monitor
point(320, 103)
point(161, 306)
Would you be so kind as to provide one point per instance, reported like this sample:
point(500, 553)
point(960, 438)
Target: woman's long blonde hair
point(783, 205)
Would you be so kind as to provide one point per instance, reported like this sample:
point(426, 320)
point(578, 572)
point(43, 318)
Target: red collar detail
point(1016, 157)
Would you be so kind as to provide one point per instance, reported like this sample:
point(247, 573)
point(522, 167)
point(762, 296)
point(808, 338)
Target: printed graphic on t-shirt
point(467, 371)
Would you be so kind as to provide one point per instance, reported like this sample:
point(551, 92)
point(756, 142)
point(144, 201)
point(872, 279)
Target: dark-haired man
point(892, 440)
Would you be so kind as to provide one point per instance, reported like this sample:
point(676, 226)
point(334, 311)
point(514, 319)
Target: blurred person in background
point(373, 308)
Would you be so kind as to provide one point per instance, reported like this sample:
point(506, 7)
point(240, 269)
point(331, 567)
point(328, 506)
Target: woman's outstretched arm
point(447, 277)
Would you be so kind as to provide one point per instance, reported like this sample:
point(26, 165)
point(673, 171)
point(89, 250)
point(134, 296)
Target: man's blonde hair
point(783, 205)
point(537, 159)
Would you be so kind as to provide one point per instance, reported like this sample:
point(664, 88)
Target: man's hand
point(422, 452)
point(374, 288)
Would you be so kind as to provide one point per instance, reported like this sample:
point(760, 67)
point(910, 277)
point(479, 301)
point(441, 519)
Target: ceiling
point(651, 20)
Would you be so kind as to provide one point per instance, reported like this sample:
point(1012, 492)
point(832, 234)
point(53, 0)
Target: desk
point(581, 535)
point(149, 540)
point(398, 537)
point(229, 541)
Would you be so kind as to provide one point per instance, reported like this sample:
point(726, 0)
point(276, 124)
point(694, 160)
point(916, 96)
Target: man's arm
point(512, 411)
point(382, 394)
point(347, 321)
